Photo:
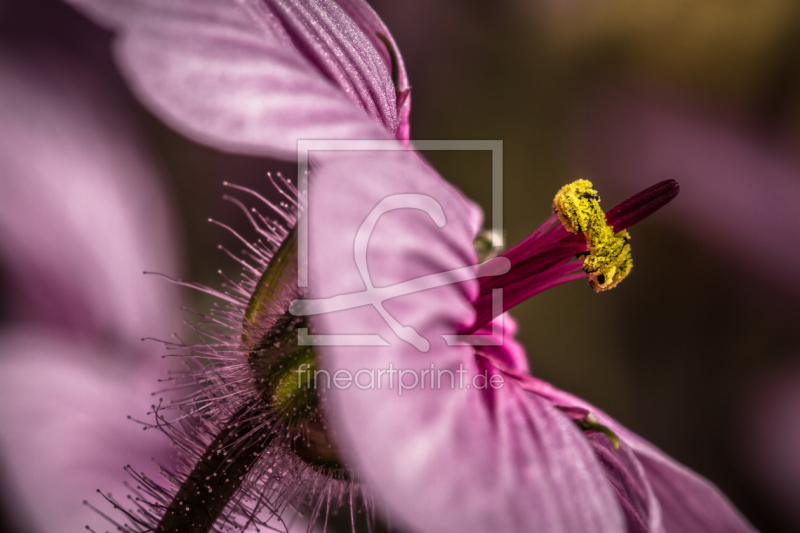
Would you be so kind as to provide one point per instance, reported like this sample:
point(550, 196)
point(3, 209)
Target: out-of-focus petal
point(740, 193)
point(770, 436)
point(252, 76)
point(81, 213)
point(65, 432)
point(443, 459)
point(689, 502)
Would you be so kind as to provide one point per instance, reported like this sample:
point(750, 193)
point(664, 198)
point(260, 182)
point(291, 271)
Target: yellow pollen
point(578, 208)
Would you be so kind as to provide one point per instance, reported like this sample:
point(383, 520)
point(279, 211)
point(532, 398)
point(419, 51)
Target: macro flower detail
point(256, 76)
point(253, 446)
point(541, 261)
point(255, 437)
point(259, 441)
point(521, 457)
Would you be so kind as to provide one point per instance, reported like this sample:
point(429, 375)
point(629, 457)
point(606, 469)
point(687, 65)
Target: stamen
point(556, 253)
point(578, 208)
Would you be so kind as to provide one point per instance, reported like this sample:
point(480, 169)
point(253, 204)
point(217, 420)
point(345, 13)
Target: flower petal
point(252, 76)
point(81, 213)
point(508, 351)
point(689, 502)
point(642, 510)
point(372, 26)
point(442, 458)
point(65, 432)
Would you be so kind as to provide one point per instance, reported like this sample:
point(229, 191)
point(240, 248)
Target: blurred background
point(698, 351)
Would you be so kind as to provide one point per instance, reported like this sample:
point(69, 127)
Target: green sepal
point(275, 287)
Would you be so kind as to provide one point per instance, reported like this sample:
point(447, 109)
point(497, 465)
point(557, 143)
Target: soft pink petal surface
point(65, 432)
point(253, 76)
point(689, 502)
point(372, 26)
point(462, 459)
point(639, 504)
point(81, 215)
point(81, 212)
point(509, 352)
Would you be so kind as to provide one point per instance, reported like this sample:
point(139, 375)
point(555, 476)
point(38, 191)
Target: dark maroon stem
point(217, 476)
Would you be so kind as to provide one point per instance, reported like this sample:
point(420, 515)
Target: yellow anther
point(578, 208)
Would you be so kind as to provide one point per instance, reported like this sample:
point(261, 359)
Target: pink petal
point(639, 504)
point(371, 24)
point(689, 502)
point(442, 459)
point(740, 193)
point(509, 352)
point(65, 432)
point(252, 76)
point(81, 212)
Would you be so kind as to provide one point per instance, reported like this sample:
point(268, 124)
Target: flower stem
point(218, 475)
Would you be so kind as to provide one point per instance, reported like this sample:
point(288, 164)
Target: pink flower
point(506, 459)
point(257, 76)
point(81, 215)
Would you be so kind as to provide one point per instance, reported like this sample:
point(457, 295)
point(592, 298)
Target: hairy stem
point(217, 476)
